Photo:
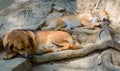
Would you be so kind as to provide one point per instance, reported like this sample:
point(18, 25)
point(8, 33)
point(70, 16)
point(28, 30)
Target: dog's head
point(19, 43)
point(100, 15)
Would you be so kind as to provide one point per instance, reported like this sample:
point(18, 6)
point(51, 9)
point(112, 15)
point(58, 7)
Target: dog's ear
point(30, 40)
point(8, 48)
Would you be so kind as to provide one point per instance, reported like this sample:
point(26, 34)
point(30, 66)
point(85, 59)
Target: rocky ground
point(31, 14)
point(34, 14)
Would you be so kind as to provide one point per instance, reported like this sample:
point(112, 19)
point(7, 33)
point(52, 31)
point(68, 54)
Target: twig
point(97, 4)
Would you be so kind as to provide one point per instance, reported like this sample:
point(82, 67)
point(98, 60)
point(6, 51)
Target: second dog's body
point(89, 20)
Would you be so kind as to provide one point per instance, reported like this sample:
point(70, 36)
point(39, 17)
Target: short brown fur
point(27, 42)
point(88, 19)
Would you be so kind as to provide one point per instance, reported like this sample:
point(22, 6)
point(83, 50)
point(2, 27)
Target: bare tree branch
point(76, 53)
point(106, 58)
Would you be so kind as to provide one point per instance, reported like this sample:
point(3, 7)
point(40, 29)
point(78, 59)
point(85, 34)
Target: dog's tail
point(77, 44)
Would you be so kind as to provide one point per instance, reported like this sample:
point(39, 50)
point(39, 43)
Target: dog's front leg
point(9, 55)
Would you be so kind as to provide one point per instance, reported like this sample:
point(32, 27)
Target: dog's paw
point(6, 57)
point(9, 56)
point(40, 52)
point(57, 50)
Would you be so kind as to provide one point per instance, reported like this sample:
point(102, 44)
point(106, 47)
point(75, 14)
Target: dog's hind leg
point(47, 50)
point(63, 46)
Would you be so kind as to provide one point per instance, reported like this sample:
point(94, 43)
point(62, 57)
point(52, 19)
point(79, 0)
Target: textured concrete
point(16, 64)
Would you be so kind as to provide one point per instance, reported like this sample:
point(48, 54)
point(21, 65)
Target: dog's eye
point(16, 48)
point(22, 49)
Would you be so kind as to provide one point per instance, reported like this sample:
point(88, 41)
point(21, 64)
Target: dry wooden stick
point(97, 4)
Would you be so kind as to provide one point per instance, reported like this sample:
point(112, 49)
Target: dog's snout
point(30, 56)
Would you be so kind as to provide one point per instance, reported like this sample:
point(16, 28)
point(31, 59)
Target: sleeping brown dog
point(30, 42)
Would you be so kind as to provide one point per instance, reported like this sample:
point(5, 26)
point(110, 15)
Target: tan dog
point(29, 42)
point(88, 19)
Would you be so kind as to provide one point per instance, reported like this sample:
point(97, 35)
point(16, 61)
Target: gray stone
point(5, 3)
point(60, 9)
point(23, 15)
point(5, 69)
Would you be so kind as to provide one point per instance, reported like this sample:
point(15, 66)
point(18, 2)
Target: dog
point(30, 42)
point(88, 19)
